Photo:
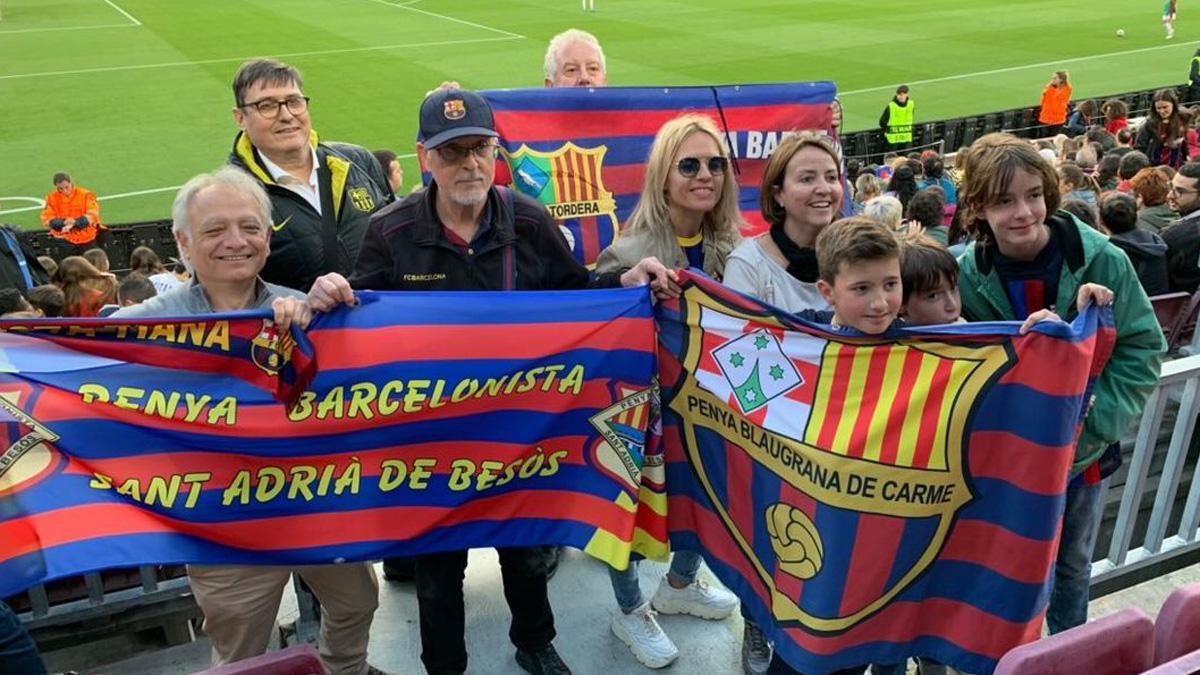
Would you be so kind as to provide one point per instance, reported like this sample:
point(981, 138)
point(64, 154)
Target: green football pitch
point(132, 97)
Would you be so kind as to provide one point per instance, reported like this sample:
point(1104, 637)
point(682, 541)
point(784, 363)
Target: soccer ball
point(1120, 32)
point(795, 539)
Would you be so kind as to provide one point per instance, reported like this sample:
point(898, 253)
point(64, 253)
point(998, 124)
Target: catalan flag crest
point(569, 182)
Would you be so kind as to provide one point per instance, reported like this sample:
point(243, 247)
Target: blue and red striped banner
point(419, 423)
point(582, 151)
point(873, 498)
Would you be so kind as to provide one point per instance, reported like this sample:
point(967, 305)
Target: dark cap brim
point(451, 134)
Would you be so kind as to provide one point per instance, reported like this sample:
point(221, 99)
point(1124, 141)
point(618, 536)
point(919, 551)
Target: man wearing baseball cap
point(463, 233)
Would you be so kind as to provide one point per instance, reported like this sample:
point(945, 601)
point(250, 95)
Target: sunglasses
point(690, 166)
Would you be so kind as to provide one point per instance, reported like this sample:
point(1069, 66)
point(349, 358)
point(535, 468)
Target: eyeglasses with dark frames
point(269, 107)
point(457, 153)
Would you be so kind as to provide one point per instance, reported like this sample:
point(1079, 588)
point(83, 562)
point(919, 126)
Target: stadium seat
point(1168, 308)
point(1184, 665)
point(1118, 644)
point(1185, 330)
point(297, 660)
point(1177, 630)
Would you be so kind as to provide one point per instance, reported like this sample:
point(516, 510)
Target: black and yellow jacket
point(357, 187)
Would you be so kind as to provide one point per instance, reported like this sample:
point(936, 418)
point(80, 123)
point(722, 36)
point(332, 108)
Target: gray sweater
point(192, 299)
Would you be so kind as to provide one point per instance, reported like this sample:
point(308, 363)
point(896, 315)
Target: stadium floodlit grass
point(132, 96)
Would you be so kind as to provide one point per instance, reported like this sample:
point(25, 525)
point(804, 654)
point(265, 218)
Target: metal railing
point(1170, 530)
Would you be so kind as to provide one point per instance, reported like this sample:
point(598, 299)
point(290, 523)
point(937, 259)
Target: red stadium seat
point(1168, 307)
point(1177, 630)
point(1118, 644)
point(297, 660)
point(1184, 665)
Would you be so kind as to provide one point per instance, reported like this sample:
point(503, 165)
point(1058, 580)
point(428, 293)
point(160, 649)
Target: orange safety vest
point(82, 202)
point(1054, 105)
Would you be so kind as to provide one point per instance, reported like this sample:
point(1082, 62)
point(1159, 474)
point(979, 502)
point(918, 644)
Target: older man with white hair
point(575, 59)
point(222, 223)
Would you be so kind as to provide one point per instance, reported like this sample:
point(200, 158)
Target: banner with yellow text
point(419, 422)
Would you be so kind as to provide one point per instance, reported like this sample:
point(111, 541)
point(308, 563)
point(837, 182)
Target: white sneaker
point(756, 650)
point(698, 599)
point(645, 638)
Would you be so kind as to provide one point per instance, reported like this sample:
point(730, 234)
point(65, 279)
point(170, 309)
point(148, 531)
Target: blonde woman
point(687, 216)
point(688, 213)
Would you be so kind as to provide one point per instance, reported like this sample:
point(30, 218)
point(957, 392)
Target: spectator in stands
point(1086, 213)
point(1106, 172)
point(1116, 115)
point(574, 59)
point(897, 119)
point(1073, 184)
point(1183, 235)
point(903, 185)
point(72, 214)
point(1087, 157)
point(1056, 97)
point(391, 168)
point(98, 258)
point(49, 300)
point(1100, 136)
point(1146, 250)
point(1028, 257)
point(866, 187)
point(222, 223)
point(885, 210)
point(1131, 164)
point(800, 183)
point(18, 653)
point(419, 244)
point(1163, 136)
point(1192, 115)
point(145, 261)
point(85, 288)
point(13, 305)
point(927, 208)
point(688, 216)
point(1150, 187)
point(1125, 138)
point(316, 230)
point(19, 267)
point(134, 290)
point(49, 264)
point(1081, 119)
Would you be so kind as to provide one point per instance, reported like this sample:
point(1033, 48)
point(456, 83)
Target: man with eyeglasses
point(463, 233)
point(1183, 236)
point(322, 193)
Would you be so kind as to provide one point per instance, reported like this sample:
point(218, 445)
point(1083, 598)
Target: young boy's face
point(935, 306)
point(865, 295)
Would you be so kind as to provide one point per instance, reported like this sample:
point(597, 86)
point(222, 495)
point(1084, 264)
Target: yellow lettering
point(326, 477)
point(271, 481)
point(302, 410)
point(159, 490)
point(93, 393)
point(163, 331)
point(238, 490)
point(392, 475)
point(350, 478)
point(131, 488)
point(332, 404)
point(551, 373)
point(573, 382)
point(463, 390)
point(552, 462)
point(226, 408)
point(461, 471)
point(160, 404)
point(418, 478)
point(195, 406)
point(415, 395)
point(361, 395)
point(126, 393)
point(100, 482)
point(195, 483)
point(387, 406)
point(436, 401)
point(302, 476)
point(219, 336)
point(487, 474)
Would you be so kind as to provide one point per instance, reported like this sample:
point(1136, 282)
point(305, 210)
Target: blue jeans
point(18, 654)
point(627, 590)
point(1073, 570)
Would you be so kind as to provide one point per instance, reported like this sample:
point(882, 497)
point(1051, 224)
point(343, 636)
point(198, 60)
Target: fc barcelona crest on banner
point(569, 182)
point(837, 440)
point(270, 350)
point(26, 453)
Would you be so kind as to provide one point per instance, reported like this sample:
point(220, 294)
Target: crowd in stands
point(1006, 229)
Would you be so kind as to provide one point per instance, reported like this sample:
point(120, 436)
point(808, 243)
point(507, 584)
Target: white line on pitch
point(47, 30)
point(1010, 69)
point(121, 195)
point(408, 6)
point(127, 14)
point(177, 64)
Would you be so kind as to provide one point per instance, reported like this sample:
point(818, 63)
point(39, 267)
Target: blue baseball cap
point(447, 114)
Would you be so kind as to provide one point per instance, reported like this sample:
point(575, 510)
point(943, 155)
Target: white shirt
point(310, 191)
point(754, 273)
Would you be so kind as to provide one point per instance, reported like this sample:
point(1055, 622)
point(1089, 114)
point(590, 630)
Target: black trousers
point(443, 617)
